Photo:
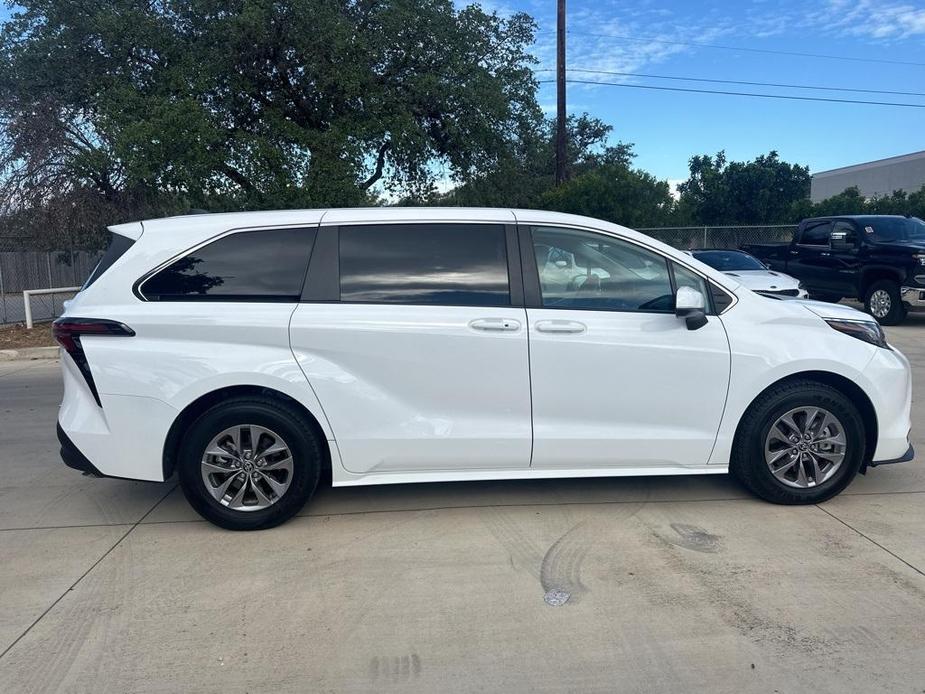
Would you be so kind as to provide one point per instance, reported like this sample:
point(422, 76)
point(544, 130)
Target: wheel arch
point(846, 387)
point(875, 274)
point(193, 410)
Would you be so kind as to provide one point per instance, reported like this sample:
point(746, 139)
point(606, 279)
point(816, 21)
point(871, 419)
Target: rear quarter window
point(244, 266)
point(118, 246)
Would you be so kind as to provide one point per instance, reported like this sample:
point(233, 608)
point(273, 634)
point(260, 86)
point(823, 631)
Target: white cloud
point(592, 44)
point(876, 20)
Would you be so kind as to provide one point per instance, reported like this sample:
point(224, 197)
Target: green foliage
point(231, 104)
point(762, 191)
point(850, 201)
point(523, 177)
point(615, 192)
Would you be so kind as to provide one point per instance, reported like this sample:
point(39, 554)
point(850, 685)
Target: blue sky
point(668, 127)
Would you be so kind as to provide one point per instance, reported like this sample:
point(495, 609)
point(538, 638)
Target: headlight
point(920, 258)
point(868, 331)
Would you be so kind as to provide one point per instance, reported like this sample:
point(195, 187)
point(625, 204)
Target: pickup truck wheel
point(884, 302)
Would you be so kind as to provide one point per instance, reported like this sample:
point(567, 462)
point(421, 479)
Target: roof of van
point(222, 221)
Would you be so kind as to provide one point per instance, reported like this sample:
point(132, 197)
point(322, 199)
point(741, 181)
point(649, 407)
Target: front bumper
point(914, 296)
point(887, 381)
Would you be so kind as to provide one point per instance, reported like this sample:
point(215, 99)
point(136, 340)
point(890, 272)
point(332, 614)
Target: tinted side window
point(448, 264)
point(816, 235)
point(247, 266)
point(847, 228)
point(117, 248)
point(584, 270)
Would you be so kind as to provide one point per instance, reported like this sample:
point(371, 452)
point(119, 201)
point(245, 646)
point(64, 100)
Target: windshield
point(727, 261)
point(894, 229)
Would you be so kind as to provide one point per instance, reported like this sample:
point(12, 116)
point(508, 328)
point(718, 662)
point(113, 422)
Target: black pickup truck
point(878, 259)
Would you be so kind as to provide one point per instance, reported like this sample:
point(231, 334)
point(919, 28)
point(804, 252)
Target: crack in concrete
point(871, 540)
point(84, 575)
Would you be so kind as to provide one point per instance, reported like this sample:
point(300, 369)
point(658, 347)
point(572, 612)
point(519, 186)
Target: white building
point(875, 178)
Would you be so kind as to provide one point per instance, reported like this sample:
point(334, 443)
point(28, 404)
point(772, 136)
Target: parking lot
point(675, 584)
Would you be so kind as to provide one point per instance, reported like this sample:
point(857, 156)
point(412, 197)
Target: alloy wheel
point(880, 303)
point(247, 467)
point(805, 447)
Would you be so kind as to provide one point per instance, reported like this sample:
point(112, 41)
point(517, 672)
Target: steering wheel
point(587, 284)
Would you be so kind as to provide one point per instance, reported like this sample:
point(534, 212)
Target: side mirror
point(689, 304)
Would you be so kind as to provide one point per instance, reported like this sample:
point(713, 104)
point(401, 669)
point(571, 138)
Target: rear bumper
point(124, 438)
point(73, 458)
point(904, 458)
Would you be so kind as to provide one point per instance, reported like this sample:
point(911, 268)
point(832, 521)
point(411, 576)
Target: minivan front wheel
point(249, 463)
point(800, 443)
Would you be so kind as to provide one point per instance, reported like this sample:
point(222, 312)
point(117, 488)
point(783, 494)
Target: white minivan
point(253, 353)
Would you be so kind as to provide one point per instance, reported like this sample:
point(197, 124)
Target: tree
point(850, 201)
point(523, 177)
point(762, 191)
point(614, 191)
point(230, 104)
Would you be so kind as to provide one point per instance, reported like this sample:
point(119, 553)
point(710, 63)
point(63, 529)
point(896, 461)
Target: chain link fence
point(22, 268)
point(687, 238)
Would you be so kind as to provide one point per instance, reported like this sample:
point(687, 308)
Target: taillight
point(68, 331)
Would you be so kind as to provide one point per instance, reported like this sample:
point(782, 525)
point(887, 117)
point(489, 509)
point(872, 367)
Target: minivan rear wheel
point(249, 463)
point(800, 442)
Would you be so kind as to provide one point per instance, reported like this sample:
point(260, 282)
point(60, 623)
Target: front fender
point(775, 340)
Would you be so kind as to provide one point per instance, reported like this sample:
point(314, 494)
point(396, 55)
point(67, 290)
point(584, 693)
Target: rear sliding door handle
point(495, 324)
point(560, 326)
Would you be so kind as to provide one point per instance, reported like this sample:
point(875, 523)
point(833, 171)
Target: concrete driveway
point(677, 584)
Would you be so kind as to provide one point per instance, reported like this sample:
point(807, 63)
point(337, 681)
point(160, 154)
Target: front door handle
point(560, 326)
point(495, 324)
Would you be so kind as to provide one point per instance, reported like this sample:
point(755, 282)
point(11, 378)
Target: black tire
point(897, 310)
point(748, 452)
point(272, 414)
point(828, 298)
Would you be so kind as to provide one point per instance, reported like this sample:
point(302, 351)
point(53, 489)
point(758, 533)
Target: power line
point(751, 84)
point(727, 93)
point(748, 49)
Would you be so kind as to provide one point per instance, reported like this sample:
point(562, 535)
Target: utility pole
point(560, 92)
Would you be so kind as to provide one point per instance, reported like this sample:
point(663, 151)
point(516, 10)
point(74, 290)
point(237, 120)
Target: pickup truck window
point(894, 229)
point(816, 235)
point(849, 233)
